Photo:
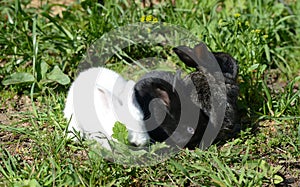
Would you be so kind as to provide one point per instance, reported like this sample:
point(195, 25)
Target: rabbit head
point(159, 102)
point(169, 113)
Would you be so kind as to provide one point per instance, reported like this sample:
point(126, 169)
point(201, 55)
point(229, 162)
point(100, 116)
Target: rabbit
point(170, 103)
point(162, 97)
point(229, 68)
point(97, 99)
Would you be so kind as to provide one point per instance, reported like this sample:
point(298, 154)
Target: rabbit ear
point(201, 51)
point(164, 96)
point(186, 55)
point(104, 95)
point(107, 96)
point(197, 57)
point(227, 64)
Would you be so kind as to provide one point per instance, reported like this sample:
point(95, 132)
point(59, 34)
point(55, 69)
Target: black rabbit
point(180, 111)
point(229, 68)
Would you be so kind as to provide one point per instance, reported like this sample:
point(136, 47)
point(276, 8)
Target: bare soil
point(55, 9)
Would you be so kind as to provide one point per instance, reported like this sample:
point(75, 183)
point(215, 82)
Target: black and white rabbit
point(97, 99)
point(182, 106)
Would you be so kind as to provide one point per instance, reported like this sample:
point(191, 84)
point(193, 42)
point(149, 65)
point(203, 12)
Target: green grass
point(39, 55)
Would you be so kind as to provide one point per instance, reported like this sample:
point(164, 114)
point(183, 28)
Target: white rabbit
point(97, 99)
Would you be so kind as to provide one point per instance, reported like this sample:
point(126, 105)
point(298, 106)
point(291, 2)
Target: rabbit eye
point(190, 130)
point(146, 117)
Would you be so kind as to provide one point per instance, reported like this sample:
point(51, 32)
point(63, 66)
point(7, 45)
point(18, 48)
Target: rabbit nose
point(139, 143)
point(135, 144)
point(138, 139)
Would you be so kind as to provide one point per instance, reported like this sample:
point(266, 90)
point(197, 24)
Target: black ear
point(200, 51)
point(186, 55)
point(197, 57)
point(227, 64)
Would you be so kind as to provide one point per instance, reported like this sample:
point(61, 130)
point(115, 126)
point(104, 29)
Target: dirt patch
point(55, 9)
point(289, 171)
point(276, 82)
point(11, 116)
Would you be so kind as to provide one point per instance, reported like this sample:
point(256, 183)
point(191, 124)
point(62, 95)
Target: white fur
point(113, 100)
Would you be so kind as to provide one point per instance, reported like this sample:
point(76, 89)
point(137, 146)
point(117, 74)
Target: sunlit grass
point(39, 55)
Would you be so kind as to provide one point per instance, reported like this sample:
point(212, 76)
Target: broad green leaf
point(44, 69)
point(58, 76)
point(28, 183)
point(120, 132)
point(277, 179)
point(264, 165)
point(17, 78)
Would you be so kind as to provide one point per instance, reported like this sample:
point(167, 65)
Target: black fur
point(174, 94)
